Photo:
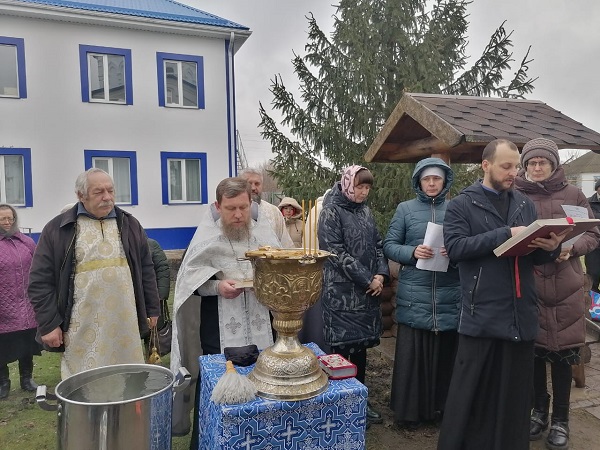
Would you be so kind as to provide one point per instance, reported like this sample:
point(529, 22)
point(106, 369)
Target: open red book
point(518, 245)
point(336, 366)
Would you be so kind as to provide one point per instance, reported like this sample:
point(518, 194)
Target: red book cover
point(336, 366)
point(518, 245)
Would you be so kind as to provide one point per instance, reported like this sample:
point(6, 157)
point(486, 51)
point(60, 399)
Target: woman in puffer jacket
point(559, 286)
point(427, 302)
point(353, 276)
point(292, 214)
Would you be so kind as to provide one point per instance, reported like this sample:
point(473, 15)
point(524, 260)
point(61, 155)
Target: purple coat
point(16, 312)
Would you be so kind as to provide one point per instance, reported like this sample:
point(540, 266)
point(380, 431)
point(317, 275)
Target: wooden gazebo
point(457, 128)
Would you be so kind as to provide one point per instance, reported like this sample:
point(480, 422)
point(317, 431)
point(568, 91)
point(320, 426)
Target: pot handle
point(41, 396)
point(182, 379)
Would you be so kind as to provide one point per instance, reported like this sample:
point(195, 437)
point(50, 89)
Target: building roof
point(154, 9)
point(586, 163)
point(461, 126)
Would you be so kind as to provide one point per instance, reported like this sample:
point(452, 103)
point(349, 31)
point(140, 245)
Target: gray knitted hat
point(540, 147)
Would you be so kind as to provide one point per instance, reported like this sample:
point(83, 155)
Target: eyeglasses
point(7, 220)
point(541, 164)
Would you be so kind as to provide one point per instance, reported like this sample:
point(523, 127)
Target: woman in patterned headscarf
point(353, 278)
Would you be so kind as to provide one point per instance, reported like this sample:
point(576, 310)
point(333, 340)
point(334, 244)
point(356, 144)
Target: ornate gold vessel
point(288, 282)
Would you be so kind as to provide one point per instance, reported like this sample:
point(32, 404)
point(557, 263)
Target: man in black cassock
point(489, 400)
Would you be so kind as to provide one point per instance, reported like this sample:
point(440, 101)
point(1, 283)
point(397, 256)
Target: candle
point(316, 217)
point(303, 228)
point(309, 228)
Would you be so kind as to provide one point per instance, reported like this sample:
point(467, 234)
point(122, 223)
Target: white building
point(146, 94)
point(584, 172)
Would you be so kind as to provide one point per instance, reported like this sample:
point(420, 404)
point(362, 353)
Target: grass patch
point(25, 426)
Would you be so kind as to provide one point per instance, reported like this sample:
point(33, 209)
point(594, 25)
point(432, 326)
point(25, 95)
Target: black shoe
point(27, 384)
point(373, 416)
point(4, 388)
point(558, 437)
point(538, 424)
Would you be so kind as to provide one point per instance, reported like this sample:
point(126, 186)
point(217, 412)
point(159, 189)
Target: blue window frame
point(183, 178)
point(105, 75)
point(13, 80)
point(15, 176)
point(122, 167)
point(180, 80)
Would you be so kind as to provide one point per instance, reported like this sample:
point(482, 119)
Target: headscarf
point(347, 181)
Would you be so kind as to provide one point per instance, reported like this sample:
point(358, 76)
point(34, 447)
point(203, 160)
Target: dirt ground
point(585, 428)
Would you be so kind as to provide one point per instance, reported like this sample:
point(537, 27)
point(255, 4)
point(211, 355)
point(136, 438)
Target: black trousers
point(489, 400)
point(561, 374)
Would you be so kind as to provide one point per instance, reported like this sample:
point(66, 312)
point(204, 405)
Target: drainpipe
point(233, 157)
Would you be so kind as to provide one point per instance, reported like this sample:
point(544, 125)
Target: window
point(180, 80)
point(122, 167)
point(106, 75)
point(184, 177)
point(15, 176)
point(12, 68)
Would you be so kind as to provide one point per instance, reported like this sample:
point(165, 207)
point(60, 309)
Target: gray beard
point(235, 233)
point(256, 198)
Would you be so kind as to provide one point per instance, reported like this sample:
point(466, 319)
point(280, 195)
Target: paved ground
point(586, 398)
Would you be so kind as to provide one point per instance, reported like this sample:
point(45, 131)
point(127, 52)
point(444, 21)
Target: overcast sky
point(564, 35)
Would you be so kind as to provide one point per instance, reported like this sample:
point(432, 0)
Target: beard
point(256, 198)
point(14, 228)
point(499, 186)
point(236, 233)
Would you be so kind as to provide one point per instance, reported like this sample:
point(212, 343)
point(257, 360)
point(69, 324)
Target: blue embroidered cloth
point(334, 419)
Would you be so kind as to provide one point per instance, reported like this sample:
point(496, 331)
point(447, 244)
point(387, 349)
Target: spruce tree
point(350, 81)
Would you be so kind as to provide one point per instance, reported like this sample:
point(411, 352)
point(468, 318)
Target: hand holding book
point(546, 234)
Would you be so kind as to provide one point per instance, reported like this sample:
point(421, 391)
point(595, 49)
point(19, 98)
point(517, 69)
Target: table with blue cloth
point(334, 419)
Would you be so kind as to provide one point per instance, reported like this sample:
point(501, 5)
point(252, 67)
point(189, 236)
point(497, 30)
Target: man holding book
point(559, 286)
point(488, 405)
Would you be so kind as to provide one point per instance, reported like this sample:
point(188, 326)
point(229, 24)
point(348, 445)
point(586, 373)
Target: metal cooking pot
point(121, 407)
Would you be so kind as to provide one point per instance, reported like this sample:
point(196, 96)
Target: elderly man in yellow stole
point(212, 267)
point(92, 281)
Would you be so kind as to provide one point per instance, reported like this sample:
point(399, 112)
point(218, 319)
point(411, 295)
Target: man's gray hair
point(251, 171)
point(82, 182)
point(232, 187)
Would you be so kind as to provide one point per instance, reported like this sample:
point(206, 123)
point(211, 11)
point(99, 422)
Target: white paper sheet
point(434, 238)
point(579, 212)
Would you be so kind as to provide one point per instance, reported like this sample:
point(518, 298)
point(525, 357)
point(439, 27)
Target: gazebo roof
point(461, 126)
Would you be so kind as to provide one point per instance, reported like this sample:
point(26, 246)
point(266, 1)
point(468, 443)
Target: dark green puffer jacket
point(161, 268)
point(425, 300)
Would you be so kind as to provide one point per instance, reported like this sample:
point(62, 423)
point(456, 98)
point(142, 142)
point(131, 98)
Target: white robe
point(210, 253)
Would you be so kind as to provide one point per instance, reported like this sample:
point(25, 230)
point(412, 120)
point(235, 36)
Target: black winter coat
point(352, 317)
point(52, 271)
point(495, 303)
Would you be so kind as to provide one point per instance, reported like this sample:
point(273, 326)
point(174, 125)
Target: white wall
point(57, 126)
point(587, 181)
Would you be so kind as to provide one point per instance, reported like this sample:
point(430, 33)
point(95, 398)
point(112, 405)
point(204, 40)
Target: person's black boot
point(26, 374)
point(539, 418)
point(4, 382)
point(373, 416)
point(558, 437)
point(4, 387)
